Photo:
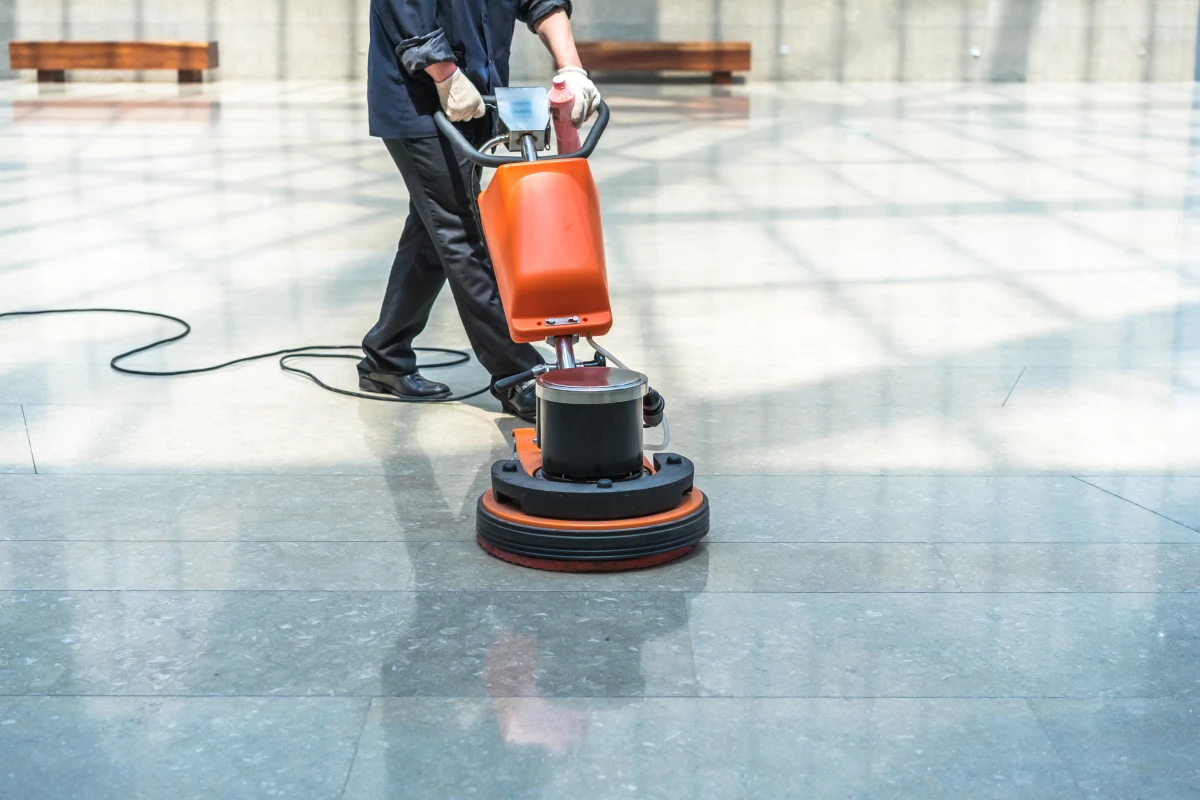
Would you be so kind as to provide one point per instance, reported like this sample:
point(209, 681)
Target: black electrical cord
point(459, 356)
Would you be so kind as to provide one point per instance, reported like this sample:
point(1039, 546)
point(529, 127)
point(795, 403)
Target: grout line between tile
point(29, 441)
point(597, 589)
point(937, 549)
point(1044, 475)
point(790, 543)
point(1053, 746)
point(687, 617)
point(1139, 505)
point(357, 742)
point(412, 565)
point(179, 511)
point(714, 697)
point(1014, 387)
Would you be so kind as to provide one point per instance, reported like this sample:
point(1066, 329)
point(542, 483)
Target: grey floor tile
point(900, 508)
point(1045, 386)
point(918, 386)
point(946, 645)
point(98, 748)
point(367, 439)
point(284, 566)
point(344, 643)
point(1127, 749)
point(416, 507)
point(263, 385)
point(1023, 238)
point(198, 643)
point(766, 567)
point(463, 566)
point(819, 567)
point(529, 644)
point(1074, 567)
point(62, 383)
point(88, 506)
point(14, 443)
point(440, 507)
point(894, 440)
point(239, 507)
point(1177, 498)
point(704, 748)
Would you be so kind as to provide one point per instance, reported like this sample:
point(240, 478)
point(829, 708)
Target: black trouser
point(442, 241)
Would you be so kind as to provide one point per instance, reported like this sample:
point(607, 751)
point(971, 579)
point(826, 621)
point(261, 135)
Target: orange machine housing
point(542, 224)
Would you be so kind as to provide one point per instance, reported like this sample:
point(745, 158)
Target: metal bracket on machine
point(524, 112)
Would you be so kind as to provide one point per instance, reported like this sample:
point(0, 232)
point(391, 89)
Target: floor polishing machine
point(581, 492)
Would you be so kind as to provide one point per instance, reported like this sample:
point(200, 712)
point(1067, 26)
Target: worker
point(427, 55)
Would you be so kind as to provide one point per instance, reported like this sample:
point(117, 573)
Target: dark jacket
point(409, 35)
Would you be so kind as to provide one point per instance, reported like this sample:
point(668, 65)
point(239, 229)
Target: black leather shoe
point(411, 385)
point(519, 400)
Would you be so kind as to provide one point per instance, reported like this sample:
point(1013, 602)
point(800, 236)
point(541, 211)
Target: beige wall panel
point(1174, 54)
point(191, 12)
point(1055, 52)
point(940, 54)
point(868, 52)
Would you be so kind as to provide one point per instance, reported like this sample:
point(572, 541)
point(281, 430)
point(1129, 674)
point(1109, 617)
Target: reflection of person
point(510, 672)
point(425, 55)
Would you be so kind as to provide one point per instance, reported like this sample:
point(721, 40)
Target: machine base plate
point(591, 545)
point(618, 565)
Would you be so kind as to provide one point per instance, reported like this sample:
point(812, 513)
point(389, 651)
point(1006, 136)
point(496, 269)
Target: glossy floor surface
point(934, 349)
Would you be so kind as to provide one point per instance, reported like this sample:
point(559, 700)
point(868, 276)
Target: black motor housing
point(590, 423)
point(590, 502)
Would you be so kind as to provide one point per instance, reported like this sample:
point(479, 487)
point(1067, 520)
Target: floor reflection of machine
point(522, 714)
point(578, 493)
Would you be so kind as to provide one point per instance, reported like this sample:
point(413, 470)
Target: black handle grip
point(654, 407)
point(464, 148)
point(513, 380)
point(468, 151)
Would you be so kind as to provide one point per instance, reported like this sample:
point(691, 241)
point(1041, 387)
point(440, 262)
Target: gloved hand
point(460, 99)
point(587, 96)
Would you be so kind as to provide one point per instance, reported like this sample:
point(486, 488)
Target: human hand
point(587, 96)
point(459, 97)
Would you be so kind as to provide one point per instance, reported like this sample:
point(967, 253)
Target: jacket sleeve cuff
point(419, 52)
point(534, 10)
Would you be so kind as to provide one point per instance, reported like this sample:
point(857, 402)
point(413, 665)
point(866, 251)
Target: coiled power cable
point(286, 356)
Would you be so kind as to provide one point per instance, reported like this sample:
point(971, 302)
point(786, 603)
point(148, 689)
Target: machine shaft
point(565, 350)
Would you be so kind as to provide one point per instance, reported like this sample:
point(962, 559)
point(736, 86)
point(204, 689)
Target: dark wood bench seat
point(722, 59)
point(53, 59)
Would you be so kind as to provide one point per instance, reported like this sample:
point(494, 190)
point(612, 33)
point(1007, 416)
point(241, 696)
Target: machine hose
point(666, 426)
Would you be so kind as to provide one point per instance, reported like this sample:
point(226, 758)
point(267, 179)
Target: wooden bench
point(722, 59)
point(53, 59)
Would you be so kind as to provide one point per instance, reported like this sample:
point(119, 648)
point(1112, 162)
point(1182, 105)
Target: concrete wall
point(7, 28)
point(1037, 40)
point(1007, 40)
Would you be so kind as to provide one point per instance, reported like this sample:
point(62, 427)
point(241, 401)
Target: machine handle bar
point(541, 369)
point(467, 150)
point(513, 380)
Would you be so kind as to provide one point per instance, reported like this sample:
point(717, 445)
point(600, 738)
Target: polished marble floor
point(934, 349)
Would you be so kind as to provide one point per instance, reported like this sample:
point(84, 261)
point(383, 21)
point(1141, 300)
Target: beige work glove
point(460, 99)
point(587, 96)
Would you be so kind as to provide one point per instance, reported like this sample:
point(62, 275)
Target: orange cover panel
point(541, 220)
